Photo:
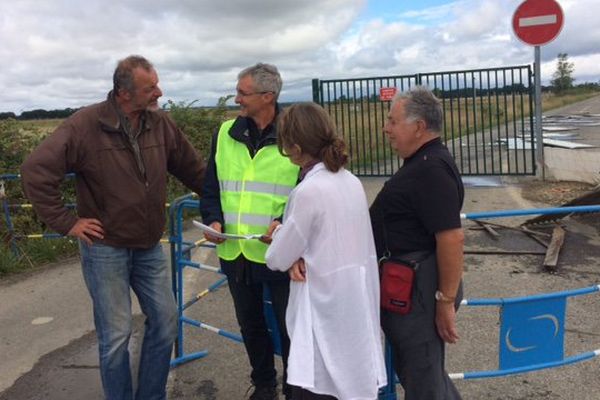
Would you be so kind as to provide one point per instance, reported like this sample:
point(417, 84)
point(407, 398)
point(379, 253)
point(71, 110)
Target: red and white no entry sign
point(537, 22)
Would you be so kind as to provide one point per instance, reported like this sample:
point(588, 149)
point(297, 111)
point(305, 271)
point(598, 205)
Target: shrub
point(198, 124)
point(17, 139)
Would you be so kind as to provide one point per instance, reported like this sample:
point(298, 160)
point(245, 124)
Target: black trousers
point(299, 393)
point(249, 310)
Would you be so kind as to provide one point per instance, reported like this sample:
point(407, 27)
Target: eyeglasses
point(242, 94)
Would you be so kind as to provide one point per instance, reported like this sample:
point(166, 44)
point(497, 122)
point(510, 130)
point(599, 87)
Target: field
point(361, 122)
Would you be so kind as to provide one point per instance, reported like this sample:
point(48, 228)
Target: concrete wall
point(580, 165)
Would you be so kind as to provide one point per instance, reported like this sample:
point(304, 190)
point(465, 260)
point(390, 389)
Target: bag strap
point(412, 259)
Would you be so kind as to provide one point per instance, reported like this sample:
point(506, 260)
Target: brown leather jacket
point(110, 185)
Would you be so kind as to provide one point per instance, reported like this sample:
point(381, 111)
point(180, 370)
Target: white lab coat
point(333, 317)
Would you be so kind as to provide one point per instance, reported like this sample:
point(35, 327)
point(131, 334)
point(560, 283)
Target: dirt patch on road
point(555, 193)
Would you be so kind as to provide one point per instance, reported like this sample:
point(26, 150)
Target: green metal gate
point(488, 118)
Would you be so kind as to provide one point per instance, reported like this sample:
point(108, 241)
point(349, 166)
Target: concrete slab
point(580, 165)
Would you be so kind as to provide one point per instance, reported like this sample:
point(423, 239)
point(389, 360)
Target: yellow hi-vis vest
point(254, 191)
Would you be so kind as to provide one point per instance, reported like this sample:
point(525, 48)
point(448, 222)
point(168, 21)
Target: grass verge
point(33, 253)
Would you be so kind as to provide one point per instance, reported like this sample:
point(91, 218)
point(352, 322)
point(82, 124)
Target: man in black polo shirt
point(416, 216)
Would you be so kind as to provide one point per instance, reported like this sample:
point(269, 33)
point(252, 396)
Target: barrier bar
point(543, 296)
point(529, 368)
point(531, 211)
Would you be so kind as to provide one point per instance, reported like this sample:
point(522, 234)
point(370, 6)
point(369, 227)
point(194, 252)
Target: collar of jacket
point(239, 129)
point(108, 116)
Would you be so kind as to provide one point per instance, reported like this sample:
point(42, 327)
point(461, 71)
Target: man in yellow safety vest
point(246, 187)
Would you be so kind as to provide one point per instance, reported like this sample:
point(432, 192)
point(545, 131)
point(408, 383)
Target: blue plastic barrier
point(181, 259)
point(531, 336)
point(531, 211)
point(7, 207)
point(531, 333)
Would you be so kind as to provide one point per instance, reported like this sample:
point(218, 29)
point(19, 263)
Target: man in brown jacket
point(120, 151)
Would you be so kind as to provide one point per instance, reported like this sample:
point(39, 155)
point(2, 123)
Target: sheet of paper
point(206, 228)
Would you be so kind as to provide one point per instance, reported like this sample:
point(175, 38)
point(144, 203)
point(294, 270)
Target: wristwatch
point(442, 298)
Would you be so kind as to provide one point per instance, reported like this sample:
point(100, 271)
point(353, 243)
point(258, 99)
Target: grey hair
point(421, 103)
point(265, 76)
point(123, 76)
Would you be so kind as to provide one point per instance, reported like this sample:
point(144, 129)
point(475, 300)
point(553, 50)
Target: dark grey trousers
point(418, 351)
point(420, 369)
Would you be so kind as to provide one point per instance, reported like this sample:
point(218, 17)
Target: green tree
point(563, 76)
point(7, 115)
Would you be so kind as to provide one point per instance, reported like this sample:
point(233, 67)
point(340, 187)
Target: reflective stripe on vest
point(253, 192)
point(248, 219)
point(258, 187)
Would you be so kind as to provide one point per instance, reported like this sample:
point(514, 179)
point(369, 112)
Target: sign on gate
point(537, 22)
point(387, 93)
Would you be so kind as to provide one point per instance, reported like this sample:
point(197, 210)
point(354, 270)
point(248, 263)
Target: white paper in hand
point(206, 228)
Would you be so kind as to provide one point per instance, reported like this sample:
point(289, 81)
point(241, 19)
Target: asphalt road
point(48, 344)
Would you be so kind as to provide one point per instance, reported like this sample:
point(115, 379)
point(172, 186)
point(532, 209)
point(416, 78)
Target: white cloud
point(61, 53)
point(56, 49)
point(469, 34)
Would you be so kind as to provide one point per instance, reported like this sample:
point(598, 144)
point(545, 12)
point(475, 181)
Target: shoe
point(287, 394)
point(264, 393)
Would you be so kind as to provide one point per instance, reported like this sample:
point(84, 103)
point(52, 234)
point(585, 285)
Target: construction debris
point(552, 248)
point(488, 229)
point(588, 199)
point(551, 259)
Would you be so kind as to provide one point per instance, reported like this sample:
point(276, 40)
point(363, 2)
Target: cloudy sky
point(60, 53)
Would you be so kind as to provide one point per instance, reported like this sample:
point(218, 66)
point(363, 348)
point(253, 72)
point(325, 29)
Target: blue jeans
point(109, 272)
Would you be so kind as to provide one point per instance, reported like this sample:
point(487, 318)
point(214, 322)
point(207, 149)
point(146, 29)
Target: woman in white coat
point(326, 244)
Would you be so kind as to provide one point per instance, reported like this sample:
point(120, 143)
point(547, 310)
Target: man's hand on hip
point(87, 229)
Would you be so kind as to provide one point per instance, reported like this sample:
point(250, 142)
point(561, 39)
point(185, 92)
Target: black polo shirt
point(423, 197)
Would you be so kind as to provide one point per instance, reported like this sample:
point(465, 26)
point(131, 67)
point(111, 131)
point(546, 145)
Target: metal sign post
point(537, 77)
